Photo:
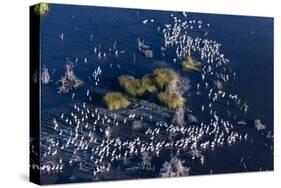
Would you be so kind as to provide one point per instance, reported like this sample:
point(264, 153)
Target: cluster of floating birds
point(87, 134)
point(105, 53)
point(178, 36)
point(91, 137)
point(215, 72)
point(148, 21)
point(96, 75)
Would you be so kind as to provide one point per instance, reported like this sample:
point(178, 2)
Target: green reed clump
point(115, 101)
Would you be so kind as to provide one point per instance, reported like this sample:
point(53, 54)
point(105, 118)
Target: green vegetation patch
point(190, 64)
point(164, 80)
point(137, 87)
point(115, 101)
point(148, 83)
point(41, 9)
point(164, 77)
point(172, 100)
point(132, 86)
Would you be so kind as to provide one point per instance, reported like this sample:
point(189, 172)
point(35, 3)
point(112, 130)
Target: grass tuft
point(172, 100)
point(41, 9)
point(164, 77)
point(115, 101)
point(132, 86)
point(148, 84)
point(137, 87)
point(190, 64)
point(164, 80)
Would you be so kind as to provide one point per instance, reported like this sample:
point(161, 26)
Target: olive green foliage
point(115, 101)
point(132, 86)
point(163, 78)
point(137, 87)
point(148, 83)
point(41, 9)
point(172, 100)
point(190, 64)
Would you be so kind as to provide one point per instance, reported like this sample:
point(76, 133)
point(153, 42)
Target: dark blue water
point(246, 41)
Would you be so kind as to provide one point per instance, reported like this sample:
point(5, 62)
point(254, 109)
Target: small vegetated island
point(166, 81)
point(189, 64)
point(136, 87)
point(162, 81)
point(115, 101)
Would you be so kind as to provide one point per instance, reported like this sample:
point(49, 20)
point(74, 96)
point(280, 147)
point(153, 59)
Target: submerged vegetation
point(179, 117)
point(41, 9)
point(145, 49)
point(172, 100)
point(174, 168)
point(115, 101)
point(69, 81)
point(259, 126)
point(45, 76)
point(190, 64)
